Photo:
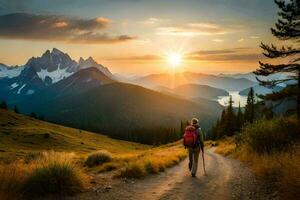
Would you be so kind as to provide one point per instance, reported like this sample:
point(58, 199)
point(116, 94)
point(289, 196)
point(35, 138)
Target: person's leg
point(195, 163)
point(190, 159)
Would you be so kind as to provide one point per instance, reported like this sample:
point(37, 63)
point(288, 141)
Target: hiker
point(193, 140)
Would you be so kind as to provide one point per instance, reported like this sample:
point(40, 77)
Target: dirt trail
point(226, 179)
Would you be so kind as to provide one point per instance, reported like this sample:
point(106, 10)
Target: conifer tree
point(16, 109)
point(287, 28)
point(240, 118)
point(222, 125)
point(249, 109)
point(230, 118)
point(3, 105)
point(33, 115)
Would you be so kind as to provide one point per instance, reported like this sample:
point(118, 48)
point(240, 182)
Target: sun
point(174, 59)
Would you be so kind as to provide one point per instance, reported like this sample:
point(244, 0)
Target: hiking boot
point(193, 175)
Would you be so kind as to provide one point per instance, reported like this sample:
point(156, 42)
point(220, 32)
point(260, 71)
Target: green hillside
point(33, 153)
point(20, 134)
point(128, 112)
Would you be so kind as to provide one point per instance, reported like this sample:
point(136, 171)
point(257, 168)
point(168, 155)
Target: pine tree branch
point(268, 69)
point(288, 27)
point(273, 52)
point(272, 83)
point(286, 92)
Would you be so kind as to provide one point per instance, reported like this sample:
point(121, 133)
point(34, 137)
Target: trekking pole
point(203, 162)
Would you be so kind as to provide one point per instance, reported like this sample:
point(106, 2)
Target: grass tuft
point(50, 173)
point(98, 158)
point(225, 147)
point(133, 171)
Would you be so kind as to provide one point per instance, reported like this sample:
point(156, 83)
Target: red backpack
point(190, 136)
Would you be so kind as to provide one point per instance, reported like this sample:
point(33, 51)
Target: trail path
point(226, 179)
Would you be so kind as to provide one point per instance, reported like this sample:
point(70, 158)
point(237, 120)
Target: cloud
point(235, 54)
point(57, 28)
point(241, 40)
point(149, 57)
point(196, 29)
point(254, 37)
point(218, 40)
point(154, 21)
point(221, 55)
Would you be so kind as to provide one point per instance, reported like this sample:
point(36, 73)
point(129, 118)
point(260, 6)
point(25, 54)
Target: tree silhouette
point(3, 105)
point(33, 115)
point(16, 109)
point(249, 109)
point(287, 28)
point(230, 118)
point(239, 118)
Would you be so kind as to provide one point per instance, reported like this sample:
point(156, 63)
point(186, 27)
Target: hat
point(194, 121)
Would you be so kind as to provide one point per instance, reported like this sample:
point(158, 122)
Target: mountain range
point(173, 81)
point(86, 95)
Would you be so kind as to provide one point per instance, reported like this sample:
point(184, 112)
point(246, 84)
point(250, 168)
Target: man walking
point(193, 140)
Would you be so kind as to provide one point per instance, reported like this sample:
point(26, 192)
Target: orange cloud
point(103, 20)
point(60, 24)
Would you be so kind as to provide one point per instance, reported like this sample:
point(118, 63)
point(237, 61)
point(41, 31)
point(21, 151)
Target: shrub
point(54, 178)
point(133, 170)
point(271, 135)
point(98, 158)
point(44, 173)
point(108, 167)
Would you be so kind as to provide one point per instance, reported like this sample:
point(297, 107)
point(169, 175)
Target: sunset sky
point(136, 36)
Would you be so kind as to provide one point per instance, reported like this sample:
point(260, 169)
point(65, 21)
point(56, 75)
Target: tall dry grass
point(271, 148)
point(226, 146)
point(12, 177)
point(98, 158)
point(48, 173)
point(152, 161)
point(280, 168)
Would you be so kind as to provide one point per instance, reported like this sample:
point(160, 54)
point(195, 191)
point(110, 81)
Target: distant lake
point(223, 100)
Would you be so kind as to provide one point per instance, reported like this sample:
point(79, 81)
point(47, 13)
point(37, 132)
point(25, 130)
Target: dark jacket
point(200, 136)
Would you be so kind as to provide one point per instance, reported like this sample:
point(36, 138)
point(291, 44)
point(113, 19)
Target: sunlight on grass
point(225, 146)
point(153, 161)
point(49, 173)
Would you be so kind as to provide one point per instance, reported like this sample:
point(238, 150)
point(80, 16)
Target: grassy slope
point(20, 134)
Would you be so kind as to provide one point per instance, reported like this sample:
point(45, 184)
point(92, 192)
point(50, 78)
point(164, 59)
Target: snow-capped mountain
point(53, 66)
point(79, 82)
point(90, 62)
point(10, 72)
point(26, 84)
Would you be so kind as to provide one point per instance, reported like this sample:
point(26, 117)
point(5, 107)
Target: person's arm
point(200, 134)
